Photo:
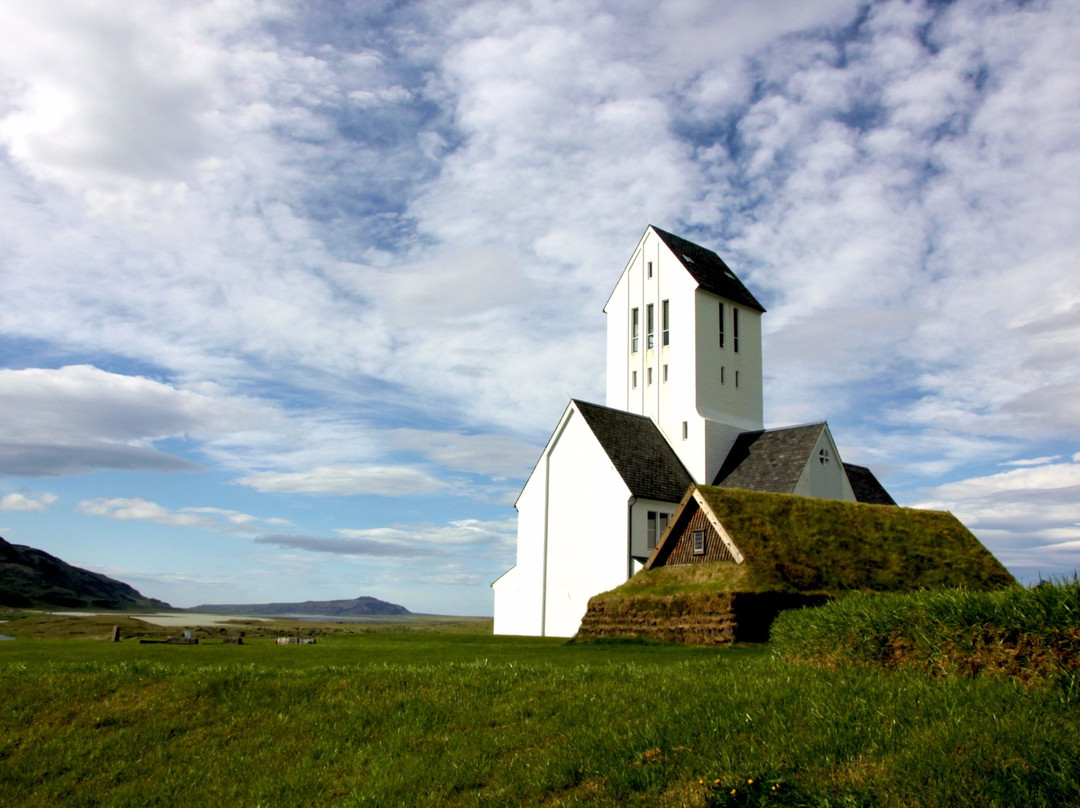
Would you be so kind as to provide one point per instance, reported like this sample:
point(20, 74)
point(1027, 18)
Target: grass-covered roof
point(793, 543)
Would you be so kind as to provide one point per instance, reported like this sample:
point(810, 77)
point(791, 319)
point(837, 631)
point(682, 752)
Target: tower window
point(735, 329)
point(699, 542)
point(650, 325)
point(685, 430)
point(721, 325)
point(633, 379)
point(649, 266)
point(648, 376)
point(634, 327)
point(665, 322)
point(665, 373)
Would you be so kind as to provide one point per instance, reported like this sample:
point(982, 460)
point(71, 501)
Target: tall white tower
point(684, 348)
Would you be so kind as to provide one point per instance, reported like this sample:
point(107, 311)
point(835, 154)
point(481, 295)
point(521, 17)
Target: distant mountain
point(357, 607)
point(32, 578)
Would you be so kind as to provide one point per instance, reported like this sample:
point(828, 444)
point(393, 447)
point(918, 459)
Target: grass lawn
point(395, 717)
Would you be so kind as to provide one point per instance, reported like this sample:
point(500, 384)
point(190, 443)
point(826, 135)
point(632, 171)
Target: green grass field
point(410, 715)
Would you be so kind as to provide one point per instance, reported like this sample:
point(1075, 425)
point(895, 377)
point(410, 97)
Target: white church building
point(684, 406)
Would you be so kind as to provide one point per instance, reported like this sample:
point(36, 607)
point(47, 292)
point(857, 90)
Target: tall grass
point(1030, 634)
point(434, 720)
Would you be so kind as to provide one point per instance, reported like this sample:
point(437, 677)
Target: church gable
point(770, 459)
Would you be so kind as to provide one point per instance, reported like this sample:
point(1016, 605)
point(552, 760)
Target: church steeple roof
point(708, 270)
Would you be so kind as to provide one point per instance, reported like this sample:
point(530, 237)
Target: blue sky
point(293, 293)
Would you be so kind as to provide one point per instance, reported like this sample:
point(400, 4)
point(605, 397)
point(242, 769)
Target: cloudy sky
point(292, 293)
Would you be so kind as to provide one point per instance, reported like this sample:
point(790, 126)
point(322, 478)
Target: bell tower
point(684, 348)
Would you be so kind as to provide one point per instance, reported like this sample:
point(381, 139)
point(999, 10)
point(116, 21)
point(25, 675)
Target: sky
point(292, 294)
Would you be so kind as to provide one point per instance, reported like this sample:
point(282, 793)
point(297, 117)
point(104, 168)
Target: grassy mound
point(1030, 634)
point(698, 604)
point(803, 544)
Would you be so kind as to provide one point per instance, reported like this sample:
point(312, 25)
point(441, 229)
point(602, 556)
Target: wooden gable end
point(694, 537)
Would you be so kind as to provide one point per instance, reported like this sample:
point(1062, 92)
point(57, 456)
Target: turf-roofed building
point(684, 408)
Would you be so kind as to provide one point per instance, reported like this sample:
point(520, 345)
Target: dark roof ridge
point(708, 269)
point(637, 449)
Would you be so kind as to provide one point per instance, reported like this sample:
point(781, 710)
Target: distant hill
point(357, 607)
point(32, 578)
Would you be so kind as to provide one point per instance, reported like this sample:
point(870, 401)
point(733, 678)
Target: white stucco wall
point(572, 536)
point(587, 528)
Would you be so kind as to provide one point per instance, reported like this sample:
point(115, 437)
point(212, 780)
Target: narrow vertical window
point(634, 326)
point(736, 378)
point(665, 322)
point(735, 329)
point(721, 325)
point(721, 374)
point(650, 268)
point(685, 430)
point(648, 376)
point(661, 524)
point(633, 379)
point(699, 542)
point(650, 325)
point(665, 373)
point(651, 532)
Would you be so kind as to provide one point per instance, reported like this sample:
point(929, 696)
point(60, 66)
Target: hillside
point(32, 578)
point(357, 607)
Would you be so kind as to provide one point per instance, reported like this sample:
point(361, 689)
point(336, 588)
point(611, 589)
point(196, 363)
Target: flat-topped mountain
point(32, 578)
point(357, 607)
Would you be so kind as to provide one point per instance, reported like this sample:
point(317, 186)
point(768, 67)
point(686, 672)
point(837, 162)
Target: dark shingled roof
point(770, 459)
point(639, 452)
point(866, 486)
point(709, 270)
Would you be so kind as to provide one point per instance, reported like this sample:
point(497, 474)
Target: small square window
point(699, 542)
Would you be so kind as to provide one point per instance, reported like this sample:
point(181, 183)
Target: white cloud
point(474, 537)
point(387, 481)
point(136, 508)
point(1029, 516)
point(494, 455)
point(77, 419)
point(16, 501)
